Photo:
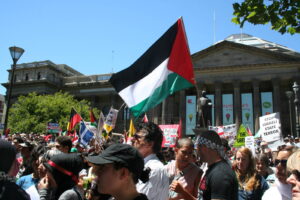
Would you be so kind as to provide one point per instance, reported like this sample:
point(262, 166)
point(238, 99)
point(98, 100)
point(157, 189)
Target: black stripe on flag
point(151, 59)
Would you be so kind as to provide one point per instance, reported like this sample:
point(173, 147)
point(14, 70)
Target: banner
point(227, 132)
point(53, 128)
point(270, 127)
point(247, 111)
point(170, 134)
point(190, 120)
point(227, 109)
point(241, 135)
point(266, 103)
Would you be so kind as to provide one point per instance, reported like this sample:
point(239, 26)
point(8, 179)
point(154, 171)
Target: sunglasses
point(136, 136)
point(297, 174)
point(282, 162)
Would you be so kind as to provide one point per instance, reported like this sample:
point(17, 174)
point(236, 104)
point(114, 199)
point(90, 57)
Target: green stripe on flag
point(173, 83)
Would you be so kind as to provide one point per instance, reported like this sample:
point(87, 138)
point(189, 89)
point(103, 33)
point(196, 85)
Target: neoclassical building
point(244, 76)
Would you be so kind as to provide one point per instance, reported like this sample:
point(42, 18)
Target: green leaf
point(235, 20)
point(252, 14)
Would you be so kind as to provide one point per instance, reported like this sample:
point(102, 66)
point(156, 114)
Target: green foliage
point(283, 15)
point(31, 113)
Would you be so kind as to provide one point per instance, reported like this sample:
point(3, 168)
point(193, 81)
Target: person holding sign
point(251, 185)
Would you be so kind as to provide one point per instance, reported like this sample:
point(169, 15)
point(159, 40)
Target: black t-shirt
point(141, 197)
point(219, 182)
point(10, 190)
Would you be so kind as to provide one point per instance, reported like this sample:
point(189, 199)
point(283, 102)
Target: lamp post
point(16, 53)
point(296, 101)
point(289, 95)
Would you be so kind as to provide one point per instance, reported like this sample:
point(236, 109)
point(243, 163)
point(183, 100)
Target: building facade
point(244, 76)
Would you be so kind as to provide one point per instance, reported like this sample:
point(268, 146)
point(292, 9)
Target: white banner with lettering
point(270, 127)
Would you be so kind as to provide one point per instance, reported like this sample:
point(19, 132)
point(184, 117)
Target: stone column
point(276, 94)
point(237, 102)
point(218, 96)
point(256, 104)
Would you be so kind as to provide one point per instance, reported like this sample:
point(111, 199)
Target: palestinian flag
point(75, 118)
point(166, 67)
point(93, 118)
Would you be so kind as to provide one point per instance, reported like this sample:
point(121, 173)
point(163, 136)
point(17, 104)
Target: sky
point(104, 36)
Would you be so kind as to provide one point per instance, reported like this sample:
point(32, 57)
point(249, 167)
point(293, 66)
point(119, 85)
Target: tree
point(283, 15)
point(31, 113)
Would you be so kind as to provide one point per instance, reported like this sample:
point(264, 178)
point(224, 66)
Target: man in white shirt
point(281, 190)
point(147, 141)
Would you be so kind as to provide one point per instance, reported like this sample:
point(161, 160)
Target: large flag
point(166, 67)
point(75, 118)
point(85, 134)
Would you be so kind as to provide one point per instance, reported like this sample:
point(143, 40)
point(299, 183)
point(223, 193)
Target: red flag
point(145, 119)
point(93, 118)
point(75, 118)
point(249, 131)
point(180, 129)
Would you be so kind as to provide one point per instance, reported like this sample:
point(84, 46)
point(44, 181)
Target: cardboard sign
point(270, 127)
point(250, 143)
point(170, 134)
point(241, 135)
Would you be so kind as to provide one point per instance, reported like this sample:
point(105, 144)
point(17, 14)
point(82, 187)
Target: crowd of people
point(35, 167)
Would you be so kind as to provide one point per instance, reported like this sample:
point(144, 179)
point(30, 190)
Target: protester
point(251, 185)
point(262, 167)
point(8, 170)
point(63, 144)
point(280, 190)
point(32, 179)
point(118, 168)
point(25, 168)
point(293, 166)
point(184, 175)
point(61, 178)
point(219, 181)
point(148, 140)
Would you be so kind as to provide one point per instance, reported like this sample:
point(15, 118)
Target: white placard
point(270, 127)
point(250, 143)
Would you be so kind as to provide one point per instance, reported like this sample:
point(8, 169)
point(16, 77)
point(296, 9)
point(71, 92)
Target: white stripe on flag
point(145, 87)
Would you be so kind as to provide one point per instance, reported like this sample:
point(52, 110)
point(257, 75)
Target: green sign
point(241, 135)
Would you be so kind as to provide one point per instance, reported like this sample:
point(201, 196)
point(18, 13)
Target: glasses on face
point(282, 162)
point(137, 137)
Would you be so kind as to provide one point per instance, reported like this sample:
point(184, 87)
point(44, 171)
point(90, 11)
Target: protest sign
point(270, 127)
point(240, 138)
point(227, 132)
point(250, 143)
point(53, 128)
point(170, 134)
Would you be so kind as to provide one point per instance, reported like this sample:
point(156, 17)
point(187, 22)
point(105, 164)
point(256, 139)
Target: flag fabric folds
point(131, 130)
point(75, 118)
point(85, 134)
point(93, 118)
point(145, 119)
point(110, 120)
point(166, 67)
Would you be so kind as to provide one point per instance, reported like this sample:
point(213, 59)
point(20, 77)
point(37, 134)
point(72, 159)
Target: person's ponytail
point(145, 175)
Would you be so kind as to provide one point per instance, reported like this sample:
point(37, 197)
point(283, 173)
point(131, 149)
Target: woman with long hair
point(251, 184)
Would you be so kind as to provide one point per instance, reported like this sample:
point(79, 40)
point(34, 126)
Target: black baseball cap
point(123, 154)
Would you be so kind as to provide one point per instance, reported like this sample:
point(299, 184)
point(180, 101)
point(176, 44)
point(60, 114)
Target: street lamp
point(289, 95)
point(296, 101)
point(16, 53)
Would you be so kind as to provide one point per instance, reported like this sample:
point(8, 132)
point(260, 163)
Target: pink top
point(187, 178)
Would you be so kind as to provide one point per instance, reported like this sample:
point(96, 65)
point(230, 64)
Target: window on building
point(39, 76)
point(26, 77)
point(227, 101)
point(15, 78)
point(247, 111)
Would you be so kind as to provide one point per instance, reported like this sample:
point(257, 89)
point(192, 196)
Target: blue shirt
point(26, 181)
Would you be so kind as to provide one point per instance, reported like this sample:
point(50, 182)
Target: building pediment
point(227, 53)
